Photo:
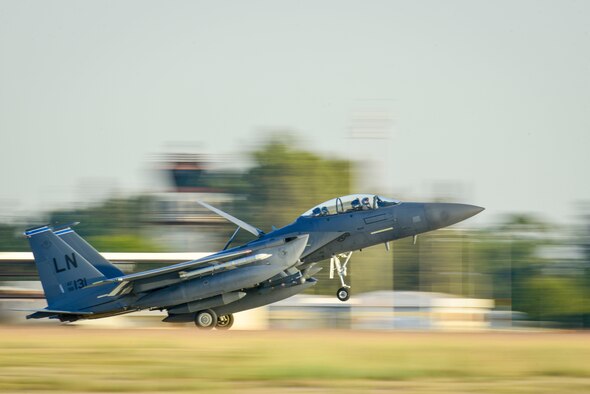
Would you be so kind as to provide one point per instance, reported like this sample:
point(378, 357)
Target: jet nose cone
point(443, 214)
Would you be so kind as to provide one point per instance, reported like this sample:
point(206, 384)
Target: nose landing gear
point(343, 293)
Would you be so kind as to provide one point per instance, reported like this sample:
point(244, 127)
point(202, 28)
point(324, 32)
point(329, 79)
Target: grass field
point(69, 359)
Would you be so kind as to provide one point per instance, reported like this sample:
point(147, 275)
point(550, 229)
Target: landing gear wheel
point(206, 319)
point(224, 322)
point(343, 294)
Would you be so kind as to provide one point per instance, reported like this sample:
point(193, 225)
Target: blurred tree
point(523, 280)
point(440, 261)
point(12, 239)
point(370, 269)
point(286, 181)
point(406, 263)
point(124, 243)
point(115, 225)
point(583, 240)
point(554, 298)
point(113, 216)
point(507, 255)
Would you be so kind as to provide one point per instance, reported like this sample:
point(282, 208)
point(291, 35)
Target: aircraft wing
point(217, 257)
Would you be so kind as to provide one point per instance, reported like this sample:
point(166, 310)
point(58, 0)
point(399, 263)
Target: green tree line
point(502, 262)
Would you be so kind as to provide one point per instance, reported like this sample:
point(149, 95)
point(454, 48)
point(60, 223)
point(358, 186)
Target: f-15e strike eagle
point(79, 283)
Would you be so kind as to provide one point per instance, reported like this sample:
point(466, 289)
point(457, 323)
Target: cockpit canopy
point(352, 202)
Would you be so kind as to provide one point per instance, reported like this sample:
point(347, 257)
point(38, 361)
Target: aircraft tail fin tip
point(62, 270)
point(79, 244)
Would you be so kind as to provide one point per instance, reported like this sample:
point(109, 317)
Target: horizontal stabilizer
point(251, 229)
point(60, 227)
point(41, 313)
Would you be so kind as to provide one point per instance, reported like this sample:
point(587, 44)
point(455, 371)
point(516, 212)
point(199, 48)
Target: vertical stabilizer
point(62, 270)
point(80, 245)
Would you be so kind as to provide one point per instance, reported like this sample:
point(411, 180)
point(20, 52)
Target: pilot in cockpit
point(356, 204)
point(325, 211)
point(366, 203)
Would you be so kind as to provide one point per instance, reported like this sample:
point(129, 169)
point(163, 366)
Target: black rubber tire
point(225, 322)
point(206, 319)
point(343, 294)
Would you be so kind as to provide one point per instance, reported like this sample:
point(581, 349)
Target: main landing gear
point(207, 319)
point(343, 293)
point(225, 322)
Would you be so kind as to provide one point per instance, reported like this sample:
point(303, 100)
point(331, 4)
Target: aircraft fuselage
point(358, 229)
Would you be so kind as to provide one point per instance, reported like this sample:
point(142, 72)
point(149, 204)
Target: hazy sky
point(493, 96)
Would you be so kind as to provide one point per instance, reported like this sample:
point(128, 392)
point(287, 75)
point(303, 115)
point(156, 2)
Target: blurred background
point(121, 115)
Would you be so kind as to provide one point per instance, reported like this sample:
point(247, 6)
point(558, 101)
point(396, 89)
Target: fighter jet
point(79, 283)
point(342, 225)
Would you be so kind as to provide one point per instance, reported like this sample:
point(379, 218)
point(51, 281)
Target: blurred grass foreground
point(69, 359)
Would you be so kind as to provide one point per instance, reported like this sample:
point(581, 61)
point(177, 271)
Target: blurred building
point(179, 221)
point(387, 310)
point(382, 310)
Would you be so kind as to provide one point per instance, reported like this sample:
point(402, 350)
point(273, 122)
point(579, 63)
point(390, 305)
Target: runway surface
point(79, 360)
